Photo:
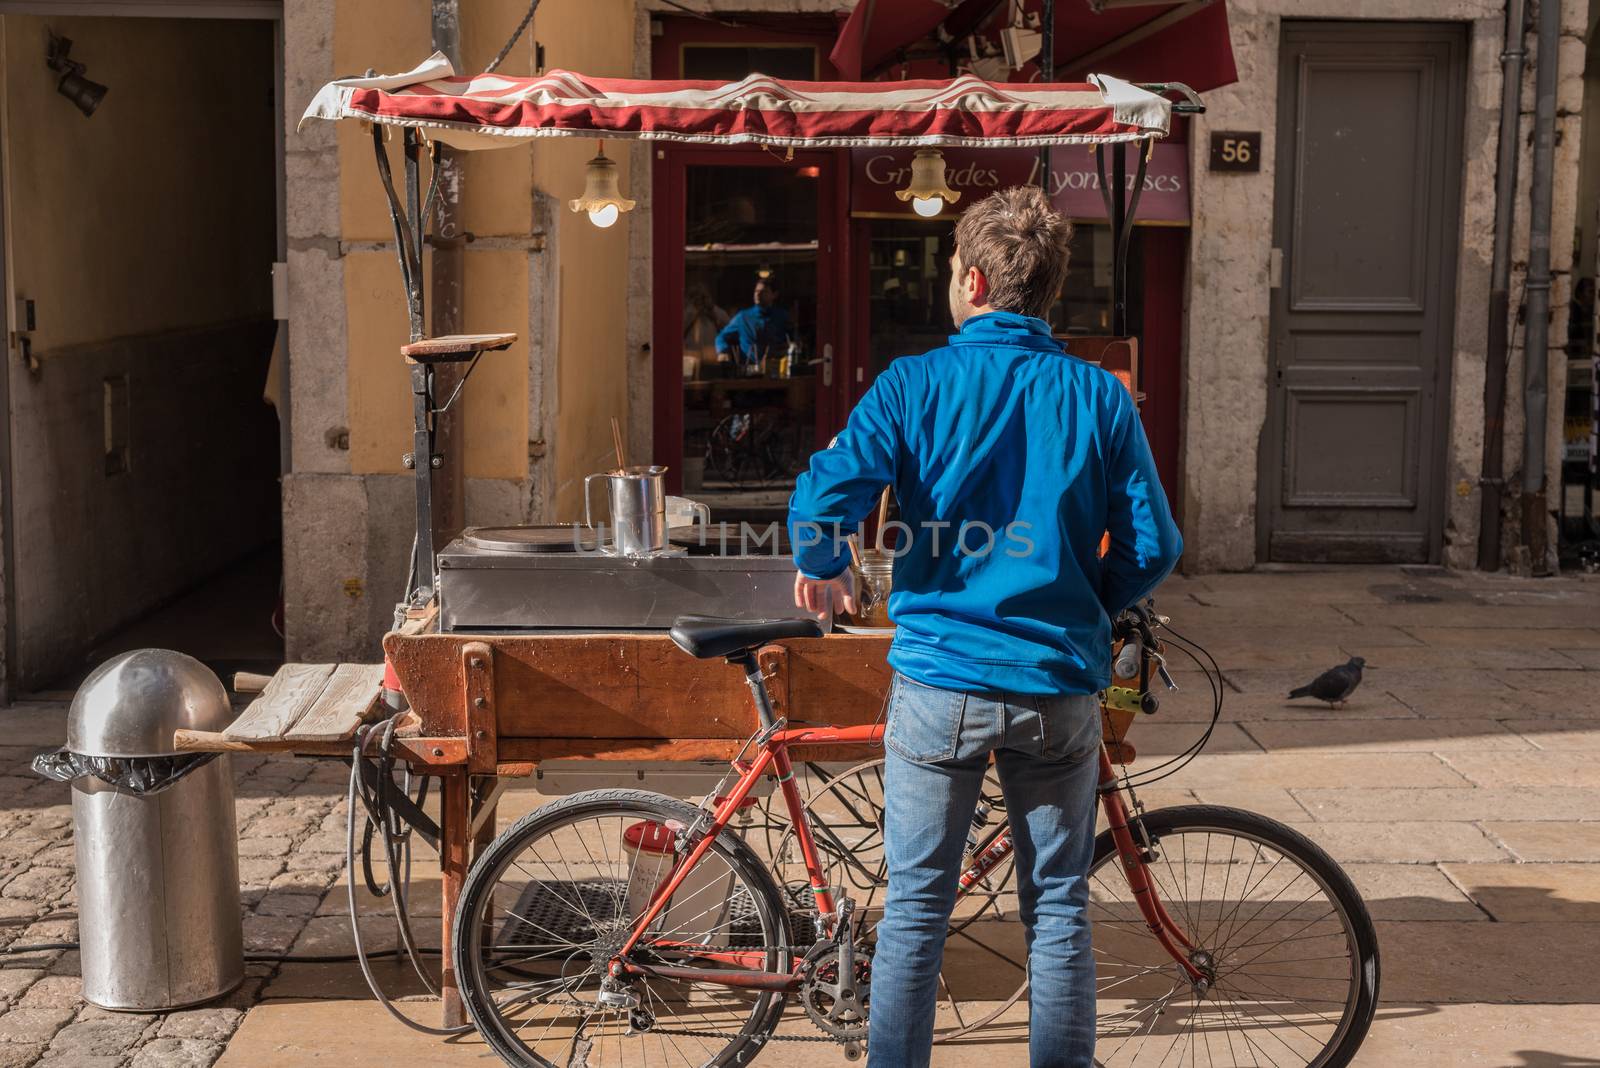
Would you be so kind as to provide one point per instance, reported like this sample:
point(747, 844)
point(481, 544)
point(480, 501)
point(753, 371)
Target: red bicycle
point(623, 927)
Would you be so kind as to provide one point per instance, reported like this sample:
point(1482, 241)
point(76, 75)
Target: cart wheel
point(550, 903)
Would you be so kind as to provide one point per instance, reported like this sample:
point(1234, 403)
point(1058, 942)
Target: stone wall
point(532, 416)
point(1228, 320)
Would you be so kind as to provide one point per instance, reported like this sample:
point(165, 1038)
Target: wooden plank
point(515, 752)
point(421, 620)
point(477, 675)
point(431, 752)
point(290, 694)
point(250, 682)
point(344, 704)
point(617, 686)
point(455, 346)
point(455, 832)
point(840, 681)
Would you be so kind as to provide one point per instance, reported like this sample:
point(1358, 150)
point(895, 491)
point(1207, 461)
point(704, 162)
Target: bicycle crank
point(835, 993)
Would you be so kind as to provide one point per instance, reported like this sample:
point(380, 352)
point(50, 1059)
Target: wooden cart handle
point(250, 682)
point(186, 741)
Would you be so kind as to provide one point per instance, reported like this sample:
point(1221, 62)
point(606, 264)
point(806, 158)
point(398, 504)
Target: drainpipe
point(1536, 352)
point(446, 241)
point(1492, 482)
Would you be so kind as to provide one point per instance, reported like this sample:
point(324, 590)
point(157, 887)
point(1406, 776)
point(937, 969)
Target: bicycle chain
point(732, 1035)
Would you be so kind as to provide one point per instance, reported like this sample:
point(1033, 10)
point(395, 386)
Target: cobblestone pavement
point(1460, 788)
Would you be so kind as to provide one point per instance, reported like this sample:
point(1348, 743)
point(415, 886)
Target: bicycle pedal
point(853, 1051)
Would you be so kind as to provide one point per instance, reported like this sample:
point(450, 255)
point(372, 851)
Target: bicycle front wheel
point(551, 902)
point(1279, 926)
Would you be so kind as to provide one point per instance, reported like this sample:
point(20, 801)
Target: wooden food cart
point(486, 706)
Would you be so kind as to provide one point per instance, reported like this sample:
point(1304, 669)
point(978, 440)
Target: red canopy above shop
point(490, 110)
point(1137, 40)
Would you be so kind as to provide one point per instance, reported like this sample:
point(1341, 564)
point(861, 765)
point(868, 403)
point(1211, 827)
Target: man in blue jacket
point(1010, 459)
point(758, 331)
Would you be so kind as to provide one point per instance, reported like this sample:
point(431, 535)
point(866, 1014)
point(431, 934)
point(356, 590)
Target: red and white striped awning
point(493, 110)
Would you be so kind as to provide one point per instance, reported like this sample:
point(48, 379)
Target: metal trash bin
point(157, 845)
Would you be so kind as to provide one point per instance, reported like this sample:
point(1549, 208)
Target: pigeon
point(1334, 685)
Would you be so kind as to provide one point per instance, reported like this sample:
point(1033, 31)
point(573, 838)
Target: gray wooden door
point(1367, 216)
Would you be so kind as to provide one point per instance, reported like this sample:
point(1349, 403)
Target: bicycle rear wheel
point(1290, 943)
point(986, 957)
point(550, 903)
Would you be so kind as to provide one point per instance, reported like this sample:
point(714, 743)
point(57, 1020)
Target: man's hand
point(820, 595)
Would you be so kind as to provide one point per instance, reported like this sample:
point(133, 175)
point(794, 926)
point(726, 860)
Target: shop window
point(749, 410)
point(909, 281)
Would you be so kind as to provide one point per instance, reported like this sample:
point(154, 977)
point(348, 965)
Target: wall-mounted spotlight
point(928, 192)
point(84, 94)
point(601, 198)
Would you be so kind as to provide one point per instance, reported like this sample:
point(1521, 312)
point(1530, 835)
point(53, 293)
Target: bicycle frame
point(773, 755)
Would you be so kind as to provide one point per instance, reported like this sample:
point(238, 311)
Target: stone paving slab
point(1589, 658)
point(1413, 892)
point(1558, 737)
point(1527, 769)
point(1307, 770)
point(1429, 736)
point(1369, 702)
point(1153, 738)
point(1508, 637)
point(1450, 803)
point(1272, 801)
point(1527, 655)
point(1512, 963)
point(1403, 842)
point(1524, 893)
point(1307, 635)
point(1480, 1035)
point(1274, 681)
point(1473, 616)
point(343, 1034)
point(1547, 841)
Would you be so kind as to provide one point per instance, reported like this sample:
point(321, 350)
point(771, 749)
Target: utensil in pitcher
point(638, 500)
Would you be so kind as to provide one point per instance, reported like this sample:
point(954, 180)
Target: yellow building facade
point(533, 419)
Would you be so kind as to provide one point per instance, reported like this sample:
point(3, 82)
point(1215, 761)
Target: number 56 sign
point(1236, 150)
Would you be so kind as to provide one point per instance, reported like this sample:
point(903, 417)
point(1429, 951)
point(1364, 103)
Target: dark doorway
point(1368, 202)
point(144, 454)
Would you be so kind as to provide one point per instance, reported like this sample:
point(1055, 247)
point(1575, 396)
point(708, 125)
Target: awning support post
point(1122, 203)
point(410, 218)
point(1047, 74)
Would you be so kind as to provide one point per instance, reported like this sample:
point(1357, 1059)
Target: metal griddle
point(551, 578)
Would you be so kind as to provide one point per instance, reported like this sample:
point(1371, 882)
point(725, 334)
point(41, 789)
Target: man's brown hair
point(1021, 245)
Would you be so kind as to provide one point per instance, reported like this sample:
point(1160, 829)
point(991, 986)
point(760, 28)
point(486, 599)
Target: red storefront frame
point(1165, 254)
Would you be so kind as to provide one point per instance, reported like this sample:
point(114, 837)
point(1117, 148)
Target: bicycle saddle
point(709, 636)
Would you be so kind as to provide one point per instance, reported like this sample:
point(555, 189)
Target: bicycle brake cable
point(1213, 677)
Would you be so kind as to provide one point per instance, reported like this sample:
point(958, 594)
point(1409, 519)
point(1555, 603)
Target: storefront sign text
point(974, 173)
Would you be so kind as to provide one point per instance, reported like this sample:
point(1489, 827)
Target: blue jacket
point(756, 331)
point(1000, 431)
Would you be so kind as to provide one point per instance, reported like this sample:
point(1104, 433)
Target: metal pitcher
point(638, 497)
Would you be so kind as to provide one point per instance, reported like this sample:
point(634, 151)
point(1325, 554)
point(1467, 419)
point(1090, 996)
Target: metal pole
point(448, 315)
point(1047, 73)
point(1492, 481)
point(1119, 221)
point(1536, 352)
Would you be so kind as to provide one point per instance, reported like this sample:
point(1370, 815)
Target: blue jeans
point(937, 752)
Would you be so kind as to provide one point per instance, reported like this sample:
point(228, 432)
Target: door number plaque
point(1236, 150)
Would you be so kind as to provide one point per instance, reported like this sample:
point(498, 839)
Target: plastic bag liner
point(140, 775)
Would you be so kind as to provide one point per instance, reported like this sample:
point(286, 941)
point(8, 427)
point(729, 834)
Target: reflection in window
point(749, 343)
point(909, 281)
